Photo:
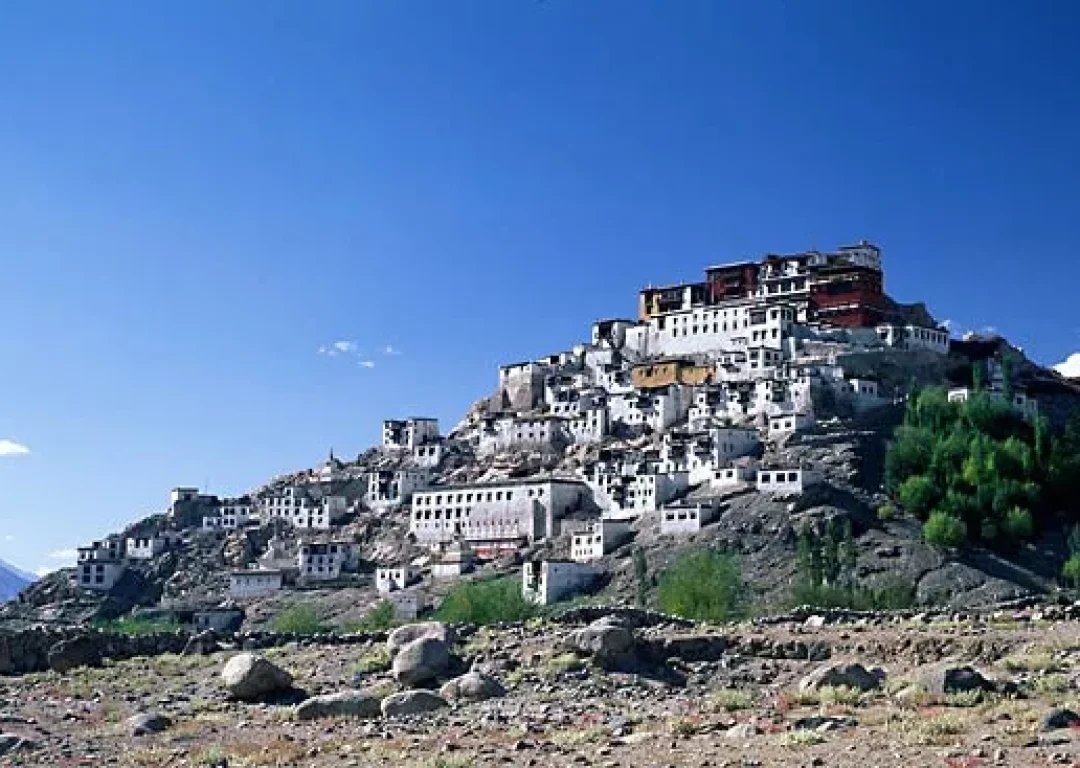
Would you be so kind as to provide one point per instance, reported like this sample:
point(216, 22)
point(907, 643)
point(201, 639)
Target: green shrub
point(1018, 524)
point(702, 584)
point(918, 495)
point(486, 602)
point(1071, 570)
point(943, 530)
point(886, 512)
point(378, 618)
point(298, 620)
point(139, 625)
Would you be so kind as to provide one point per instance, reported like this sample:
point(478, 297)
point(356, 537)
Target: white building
point(701, 453)
point(495, 516)
point(323, 561)
point(598, 539)
point(521, 385)
point(781, 424)
point(786, 481)
point(539, 432)
point(647, 492)
point(914, 337)
point(393, 488)
point(230, 515)
point(452, 559)
point(409, 433)
point(590, 425)
point(407, 604)
point(681, 519)
point(735, 474)
point(303, 509)
point(428, 456)
point(714, 329)
point(146, 547)
point(100, 565)
point(545, 582)
point(392, 579)
point(1022, 403)
point(254, 583)
point(656, 409)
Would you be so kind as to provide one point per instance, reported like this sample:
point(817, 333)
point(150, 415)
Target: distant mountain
point(12, 581)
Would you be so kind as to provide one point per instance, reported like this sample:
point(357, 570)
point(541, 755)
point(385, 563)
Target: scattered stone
point(360, 704)
point(145, 723)
point(1056, 719)
point(473, 686)
point(250, 677)
point(411, 703)
point(847, 675)
point(421, 661)
point(605, 640)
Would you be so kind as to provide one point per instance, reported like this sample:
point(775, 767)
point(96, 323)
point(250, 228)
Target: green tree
point(918, 495)
point(703, 584)
point(1018, 525)
point(943, 530)
point(489, 601)
point(1071, 570)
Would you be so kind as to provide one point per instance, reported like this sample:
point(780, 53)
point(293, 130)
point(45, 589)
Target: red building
point(848, 297)
point(731, 281)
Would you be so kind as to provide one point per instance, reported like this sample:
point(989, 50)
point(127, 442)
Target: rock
point(81, 651)
point(421, 661)
point(1056, 719)
point(847, 675)
point(948, 677)
point(402, 636)
point(250, 677)
point(605, 640)
point(11, 743)
point(146, 723)
point(202, 644)
point(814, 622)
point(411, 703)
point(473, 686)
point(360, 704)
point(742, 731)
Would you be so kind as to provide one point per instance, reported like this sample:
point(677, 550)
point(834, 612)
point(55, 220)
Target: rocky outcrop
point(845, 675)
point(606, 640)
point(145, 723)
point(250, 677)
point(948, 677)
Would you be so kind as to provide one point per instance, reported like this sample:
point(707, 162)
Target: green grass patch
point(486, 602)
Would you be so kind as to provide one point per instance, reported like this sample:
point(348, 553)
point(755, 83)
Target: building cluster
point(689, 396)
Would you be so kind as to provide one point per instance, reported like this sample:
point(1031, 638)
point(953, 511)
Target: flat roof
point(500, 484)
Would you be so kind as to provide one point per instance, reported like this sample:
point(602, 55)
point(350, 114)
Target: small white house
point(99, 574)
point(323, 561)
point(407, 604)
point(254, 583)
point(392, 579)
point(685, 518)
point(547, 581)
point(598, 539)
point(786, 481)
point(409, 433)
point(736, 473)
point(452, 560)
point(781, 424)
point(146, 547)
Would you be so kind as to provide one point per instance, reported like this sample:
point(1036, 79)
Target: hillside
point(749, 413)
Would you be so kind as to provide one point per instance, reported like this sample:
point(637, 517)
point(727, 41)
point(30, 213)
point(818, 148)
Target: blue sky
point(197, 196)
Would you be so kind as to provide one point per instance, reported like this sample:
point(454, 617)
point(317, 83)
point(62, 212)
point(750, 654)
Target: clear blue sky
point(195, 196)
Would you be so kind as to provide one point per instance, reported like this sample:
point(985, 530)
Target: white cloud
point(389, 349)
point(9, 537)
point(947, 324)
point(367, 363)
point(336, 348)
point(44, 571)
point(1070, 367)
point(11, 448)
point(64, 555)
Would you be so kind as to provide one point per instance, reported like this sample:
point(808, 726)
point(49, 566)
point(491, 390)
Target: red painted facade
point(850, 297)
point(733, 281)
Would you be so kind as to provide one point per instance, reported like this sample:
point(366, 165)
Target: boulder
point(250, 677)
point(79, 651)
point(360, 704)
point(742, 731)
point(411, 703)
point(146, 723)
point(473, 686)
point(202, 644)
point(402, 636)
point(846, 675)
point(949, 677)
point(1056, 719)
point(421, 661)
point(605, 640)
